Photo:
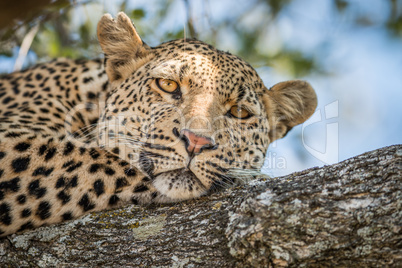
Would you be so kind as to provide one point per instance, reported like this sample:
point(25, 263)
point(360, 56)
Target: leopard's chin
point(179, 184)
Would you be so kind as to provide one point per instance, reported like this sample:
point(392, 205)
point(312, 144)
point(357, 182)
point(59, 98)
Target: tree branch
point(24, 49)
point(347, 214)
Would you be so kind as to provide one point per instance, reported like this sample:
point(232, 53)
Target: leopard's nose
point(194, 143)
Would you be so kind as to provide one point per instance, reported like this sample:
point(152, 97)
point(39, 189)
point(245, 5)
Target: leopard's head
point(187, 115)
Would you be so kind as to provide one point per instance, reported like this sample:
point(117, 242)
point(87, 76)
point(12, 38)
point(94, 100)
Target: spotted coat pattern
point(88, 135)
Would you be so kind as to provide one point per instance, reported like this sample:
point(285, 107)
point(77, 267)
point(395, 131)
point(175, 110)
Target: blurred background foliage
point(350, 50)
point(67, 28)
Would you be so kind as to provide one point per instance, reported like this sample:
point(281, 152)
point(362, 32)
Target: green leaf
point(395, 26)
point(175, 35)
point(341, 5)
point(137, 13)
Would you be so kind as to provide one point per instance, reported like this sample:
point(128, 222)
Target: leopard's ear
point(124, 50)
point(288, 104)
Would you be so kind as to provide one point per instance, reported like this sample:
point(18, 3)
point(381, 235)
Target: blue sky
point(366, 76)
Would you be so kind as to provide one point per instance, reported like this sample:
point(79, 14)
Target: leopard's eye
point(167, 85)
point(239, 112)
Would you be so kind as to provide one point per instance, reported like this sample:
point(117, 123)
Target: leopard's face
point(189, 118)
point(188, 115)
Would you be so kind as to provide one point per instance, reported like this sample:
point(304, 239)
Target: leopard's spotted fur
point(81, 136)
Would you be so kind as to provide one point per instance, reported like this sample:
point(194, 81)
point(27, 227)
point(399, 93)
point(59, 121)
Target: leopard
point(143, 125)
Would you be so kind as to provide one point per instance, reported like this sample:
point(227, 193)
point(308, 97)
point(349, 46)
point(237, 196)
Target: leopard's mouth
point(179, 184)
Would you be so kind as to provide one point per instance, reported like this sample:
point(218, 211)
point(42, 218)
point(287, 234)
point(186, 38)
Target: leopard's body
point(78, 136)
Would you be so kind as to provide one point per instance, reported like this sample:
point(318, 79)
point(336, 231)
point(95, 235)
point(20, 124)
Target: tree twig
point(26, 44)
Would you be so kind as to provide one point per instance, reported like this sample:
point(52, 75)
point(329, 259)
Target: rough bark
point(344, 215)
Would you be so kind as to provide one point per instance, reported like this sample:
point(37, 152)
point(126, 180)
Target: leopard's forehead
point(197, 57)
